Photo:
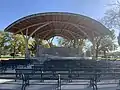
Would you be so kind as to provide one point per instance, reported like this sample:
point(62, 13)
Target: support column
point(80, 48)
point(27, 53)
point(75, 43)
point(77, 46)
point(37, 44)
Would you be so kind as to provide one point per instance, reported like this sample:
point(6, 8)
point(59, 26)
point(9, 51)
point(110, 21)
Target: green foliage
point(105, 43)
point(17, 44)
point(79, 43)
point(33, 45)
point(10, 43)
point(4, 42)
point(112, 21)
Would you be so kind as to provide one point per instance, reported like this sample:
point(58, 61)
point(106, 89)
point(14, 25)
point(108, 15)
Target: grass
point(7, 57)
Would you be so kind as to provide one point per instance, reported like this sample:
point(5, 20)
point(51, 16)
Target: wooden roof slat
point(59, 20)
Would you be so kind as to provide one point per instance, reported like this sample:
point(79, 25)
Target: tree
point(4, 42)
point(112, 16)
point(79, 43)
point(105, 43)
point(33, 45)
point(119, 39)
point(17, 44)
point(112, 21)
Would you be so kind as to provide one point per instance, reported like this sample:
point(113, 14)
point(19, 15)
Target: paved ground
point(53, 87)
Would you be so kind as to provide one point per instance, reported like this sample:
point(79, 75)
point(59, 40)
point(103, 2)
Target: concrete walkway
point(53, 87)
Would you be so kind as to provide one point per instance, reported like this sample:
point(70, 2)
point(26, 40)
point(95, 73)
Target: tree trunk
point(0, 53)
point(104, 54)
point(97, 51)
point(96, 54)
point(14, 51)
point(52, 39)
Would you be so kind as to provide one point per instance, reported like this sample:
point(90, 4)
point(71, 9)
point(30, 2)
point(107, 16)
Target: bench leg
point(119, 83)
point(41, 76)
point(59, 86)
point(70, 76)
point(91, 83)
point(70, 80)
point(96, 86)
point(41, 79)
point(93, 87)
point(23, 87)
point(25, 83)
point(16, 77)
point(59, 82)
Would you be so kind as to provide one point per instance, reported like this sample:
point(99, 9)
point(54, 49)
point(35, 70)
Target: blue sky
point(11, 10)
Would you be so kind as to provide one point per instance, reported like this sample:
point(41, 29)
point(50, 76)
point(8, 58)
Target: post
point(37, 48)
point(26, 49)
point(27, 54)
point(119, 83)
point(75, 43)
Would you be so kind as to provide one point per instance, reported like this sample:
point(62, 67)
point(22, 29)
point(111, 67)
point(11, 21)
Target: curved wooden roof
point(67, 25)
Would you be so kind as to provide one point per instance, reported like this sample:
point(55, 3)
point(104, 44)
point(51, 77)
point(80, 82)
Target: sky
point(11, 10)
